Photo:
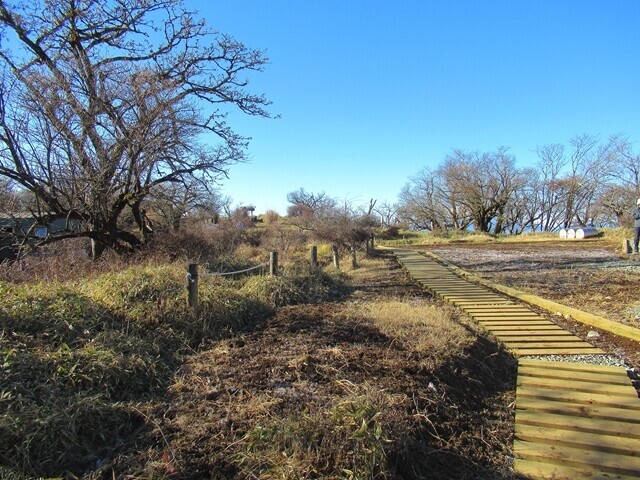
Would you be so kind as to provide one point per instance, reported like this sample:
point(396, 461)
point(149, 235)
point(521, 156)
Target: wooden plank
point(515, 323)
point(507, 314)
point(579, 458)
point(496, 310)
point(501, 329)
point(520, 331)
point(539, 338)
point(459, 287)
point(572, 366)
point(563, 351)
point(545, 345)
point(586, 411)
point(469, 298)
point(515, 306)
point(577, 386)
point(611, 378)
point(495, 302)
point(440, 282)
point(461, 293)
point(480, 294)
point(545, 471)
point(577, 397)
point(464, 295)
point(567, 438)
point(611, 428)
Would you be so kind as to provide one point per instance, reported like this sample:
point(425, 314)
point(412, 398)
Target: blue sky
point(369, 92)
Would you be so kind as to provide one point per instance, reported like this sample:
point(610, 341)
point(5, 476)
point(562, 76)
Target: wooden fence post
point(273, 264)
point(354, 258)
point(370, 243)
point(626, 246)
point(314, 256)
point(336, 257)
point(192, 287)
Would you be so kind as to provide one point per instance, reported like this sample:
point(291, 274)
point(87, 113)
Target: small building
point(248, 211)
point(24, 227)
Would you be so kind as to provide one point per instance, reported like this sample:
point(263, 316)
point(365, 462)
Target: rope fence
point(193, 277)
point(192, 271)
point(246, 270)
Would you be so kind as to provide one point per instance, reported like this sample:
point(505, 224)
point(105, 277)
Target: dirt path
point(318, 391)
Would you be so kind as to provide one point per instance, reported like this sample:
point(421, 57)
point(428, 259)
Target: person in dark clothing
point(636, 226)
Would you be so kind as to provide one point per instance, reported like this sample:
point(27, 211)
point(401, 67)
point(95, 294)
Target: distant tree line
point(586, 182)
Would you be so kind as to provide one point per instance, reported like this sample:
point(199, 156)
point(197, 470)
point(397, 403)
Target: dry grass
point(303, 445)
point(77, 357)
point(428, 329)
point(341, 390)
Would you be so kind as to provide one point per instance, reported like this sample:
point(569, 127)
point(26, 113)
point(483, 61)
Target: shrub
point(389, 233)
point(274, 291)
point(270, 217)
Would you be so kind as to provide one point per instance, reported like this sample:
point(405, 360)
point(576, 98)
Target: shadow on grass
point(73, 374)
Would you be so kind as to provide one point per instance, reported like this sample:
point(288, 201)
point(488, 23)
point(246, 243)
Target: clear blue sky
point(371, 91)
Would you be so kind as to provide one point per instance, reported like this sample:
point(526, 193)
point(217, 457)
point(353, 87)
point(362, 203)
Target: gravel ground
point(609, 360)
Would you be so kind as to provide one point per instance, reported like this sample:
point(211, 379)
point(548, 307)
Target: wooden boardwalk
point(573, 421)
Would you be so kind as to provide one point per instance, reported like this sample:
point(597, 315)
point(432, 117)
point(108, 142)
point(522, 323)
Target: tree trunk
point(141, 219)
point(96, 249)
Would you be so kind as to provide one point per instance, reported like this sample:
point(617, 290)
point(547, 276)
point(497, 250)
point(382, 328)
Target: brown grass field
point(368, 378)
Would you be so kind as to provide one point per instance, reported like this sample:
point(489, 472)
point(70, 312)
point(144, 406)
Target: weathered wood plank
point(572, 366)
point(564, 351)
point(515, 323)
point(611, 428)
point(546, 471)
point(578, 386)
point(585, 411)
point(515, 307)
point(567, 438)
point(612, 378)
point(545, 345)
point(501, 329)
point(539, 338)
point(579, 458)
point(483, 302)
point(577, 397)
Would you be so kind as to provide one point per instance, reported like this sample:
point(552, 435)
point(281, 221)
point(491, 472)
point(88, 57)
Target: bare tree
point(484, 183)
point(388, 214)
point(430, 201)
point(627, 161)
point(7, 196)
point(614, 204)
point(169, 204)
point(344, 227)
point(307, 204)
point(547, 188)
point(589, 164)
point(102, 102)
point(522, 210)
